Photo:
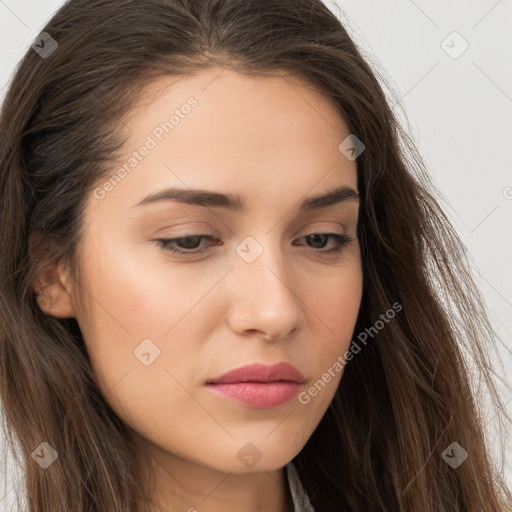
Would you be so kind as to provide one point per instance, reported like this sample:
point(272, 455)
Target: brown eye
point(190, 244)
point(187, 244)
point(341, 241)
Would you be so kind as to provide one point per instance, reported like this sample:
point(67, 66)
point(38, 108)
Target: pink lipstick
point(259, 385)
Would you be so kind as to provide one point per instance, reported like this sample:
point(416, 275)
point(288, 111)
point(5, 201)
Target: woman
point(227, 283)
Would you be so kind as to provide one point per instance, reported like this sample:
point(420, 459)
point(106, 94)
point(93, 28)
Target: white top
point(300, 498)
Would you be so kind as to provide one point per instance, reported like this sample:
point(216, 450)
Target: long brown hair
point(405, 397)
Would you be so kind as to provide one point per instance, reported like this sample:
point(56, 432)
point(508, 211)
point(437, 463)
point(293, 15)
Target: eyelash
point(341, 239)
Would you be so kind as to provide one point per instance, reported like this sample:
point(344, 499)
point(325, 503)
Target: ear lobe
point(53, 293)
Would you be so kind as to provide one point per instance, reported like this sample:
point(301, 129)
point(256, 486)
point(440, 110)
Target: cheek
point(333, 315)
point(141, 372)
point(145, 324)
point(135, 297)
point(335, 303)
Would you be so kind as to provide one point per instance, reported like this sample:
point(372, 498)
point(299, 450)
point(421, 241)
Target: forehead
point(222, 130)
point(257, 105)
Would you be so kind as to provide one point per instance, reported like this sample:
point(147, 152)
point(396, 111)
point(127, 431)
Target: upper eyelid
point(206, 232)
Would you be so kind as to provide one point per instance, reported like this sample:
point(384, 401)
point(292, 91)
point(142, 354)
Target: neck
point(177, 484)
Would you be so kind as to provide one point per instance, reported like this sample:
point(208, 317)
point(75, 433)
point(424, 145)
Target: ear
point(54, 293)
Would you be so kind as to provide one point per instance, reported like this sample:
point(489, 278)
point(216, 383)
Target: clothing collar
point(300, 498)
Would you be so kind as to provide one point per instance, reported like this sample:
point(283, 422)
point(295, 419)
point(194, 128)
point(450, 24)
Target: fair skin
point(274, 142)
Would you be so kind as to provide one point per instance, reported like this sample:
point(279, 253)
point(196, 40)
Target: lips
point(260, 373)
point(259, 385)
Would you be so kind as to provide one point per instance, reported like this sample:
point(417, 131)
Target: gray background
point(459, 110)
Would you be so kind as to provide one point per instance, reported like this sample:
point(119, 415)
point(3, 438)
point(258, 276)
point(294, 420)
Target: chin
point(251, 457)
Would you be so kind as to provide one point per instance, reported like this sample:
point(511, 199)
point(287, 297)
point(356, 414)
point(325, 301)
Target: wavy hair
point(414, 388)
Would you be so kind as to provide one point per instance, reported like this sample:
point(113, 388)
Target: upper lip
point(260, 373)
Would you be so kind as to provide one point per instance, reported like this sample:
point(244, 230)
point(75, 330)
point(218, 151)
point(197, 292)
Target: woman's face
point(159, 325)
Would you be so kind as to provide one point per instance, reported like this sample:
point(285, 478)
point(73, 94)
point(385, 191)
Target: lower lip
point(263, 395)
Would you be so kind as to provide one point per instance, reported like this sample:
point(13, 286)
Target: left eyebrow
point(234, 202)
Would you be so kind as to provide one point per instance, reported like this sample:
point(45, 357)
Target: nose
point(263, 299)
